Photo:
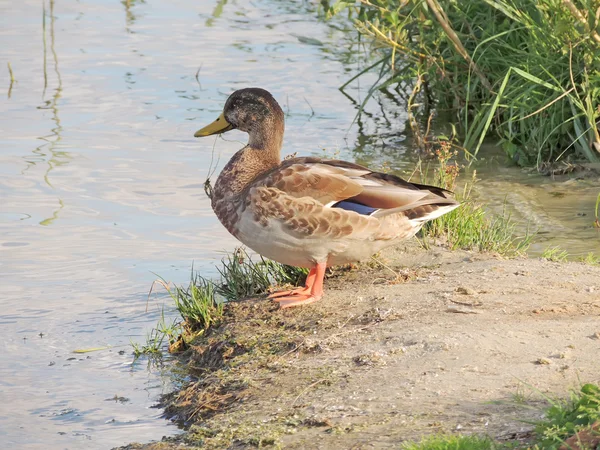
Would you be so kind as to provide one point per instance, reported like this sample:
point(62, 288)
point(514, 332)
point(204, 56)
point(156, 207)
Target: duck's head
point(254, 111)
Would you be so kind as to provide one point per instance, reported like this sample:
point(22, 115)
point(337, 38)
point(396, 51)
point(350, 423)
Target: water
point(101, 185)
point(559, 209)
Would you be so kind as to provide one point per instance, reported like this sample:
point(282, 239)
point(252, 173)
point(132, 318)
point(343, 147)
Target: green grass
point(243, 277)
point(470, 226)
point(525, 70)
point(565, 418)
point(597, 221)
point(555, 254)
point(200, 304)
point(198, 309)
point(156, 339)
point(453, 442)
point(197, 304)
point(152, 347)
point(590, 259)
point(521, 396)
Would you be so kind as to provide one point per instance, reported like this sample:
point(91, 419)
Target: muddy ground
point(438, 341)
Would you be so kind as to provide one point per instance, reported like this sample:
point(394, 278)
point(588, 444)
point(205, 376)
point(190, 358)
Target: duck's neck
point(267, 135)
point(262, 153)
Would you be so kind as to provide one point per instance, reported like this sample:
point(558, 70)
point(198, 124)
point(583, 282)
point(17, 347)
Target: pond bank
point(436, 342)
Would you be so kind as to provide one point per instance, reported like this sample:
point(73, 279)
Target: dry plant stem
point(569, 4)
point(10, 71)
point(419, 138)
point(343, 333)
point(396, 275)
point(307, 389)
point(377, 33)
point(162, 283)
point(437, 11)
point(546, 106)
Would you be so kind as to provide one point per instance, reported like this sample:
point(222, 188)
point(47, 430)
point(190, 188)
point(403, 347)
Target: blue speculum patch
point(356, 207)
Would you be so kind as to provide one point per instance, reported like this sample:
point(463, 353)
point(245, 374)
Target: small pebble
point(465, 290)
point(461, 310)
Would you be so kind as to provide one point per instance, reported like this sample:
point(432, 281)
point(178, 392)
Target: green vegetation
point(453, 442)
point(156, 339)
point(200, 305)
point(562, 420)
point(590, 259)
point(565, 418)
point(242, 278)
point(525, 70)
point(197, 304)
point(555, 254)
point(198, 310)
point(597, 221)
point(470, 227)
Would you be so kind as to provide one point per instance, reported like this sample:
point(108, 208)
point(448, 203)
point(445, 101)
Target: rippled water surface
point(101, 185)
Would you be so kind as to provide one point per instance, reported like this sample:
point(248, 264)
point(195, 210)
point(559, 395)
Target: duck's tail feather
point(422, 211)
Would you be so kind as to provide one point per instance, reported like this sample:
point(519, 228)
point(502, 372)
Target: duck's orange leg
point(316, 290)
point(310, 279)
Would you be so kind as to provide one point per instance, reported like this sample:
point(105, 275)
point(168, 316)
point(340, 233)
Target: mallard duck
point(309, 212)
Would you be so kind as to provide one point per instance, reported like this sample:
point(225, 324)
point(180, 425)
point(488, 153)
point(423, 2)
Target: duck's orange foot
point(310, 293)
point(298, 291)
point(297, 300)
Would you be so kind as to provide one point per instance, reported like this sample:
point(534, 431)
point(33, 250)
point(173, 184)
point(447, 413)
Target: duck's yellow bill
point(218, 126)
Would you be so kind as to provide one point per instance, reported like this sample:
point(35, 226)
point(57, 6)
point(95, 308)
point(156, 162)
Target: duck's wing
point(332, 181)
point(309, 177)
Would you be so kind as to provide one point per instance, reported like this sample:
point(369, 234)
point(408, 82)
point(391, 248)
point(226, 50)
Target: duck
point(307, 211)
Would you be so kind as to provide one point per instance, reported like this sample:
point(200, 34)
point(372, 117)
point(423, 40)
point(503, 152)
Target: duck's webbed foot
point(297, 291)
point(297, 300)
point(310, 293)
point(310, 280)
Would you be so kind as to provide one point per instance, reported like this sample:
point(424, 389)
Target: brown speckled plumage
point(296, 193)
point(287, 210)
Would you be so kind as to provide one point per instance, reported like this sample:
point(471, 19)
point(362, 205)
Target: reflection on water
point(56, 158)
point(101, 184)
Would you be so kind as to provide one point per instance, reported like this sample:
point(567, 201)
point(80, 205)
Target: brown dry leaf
point(588, 438)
